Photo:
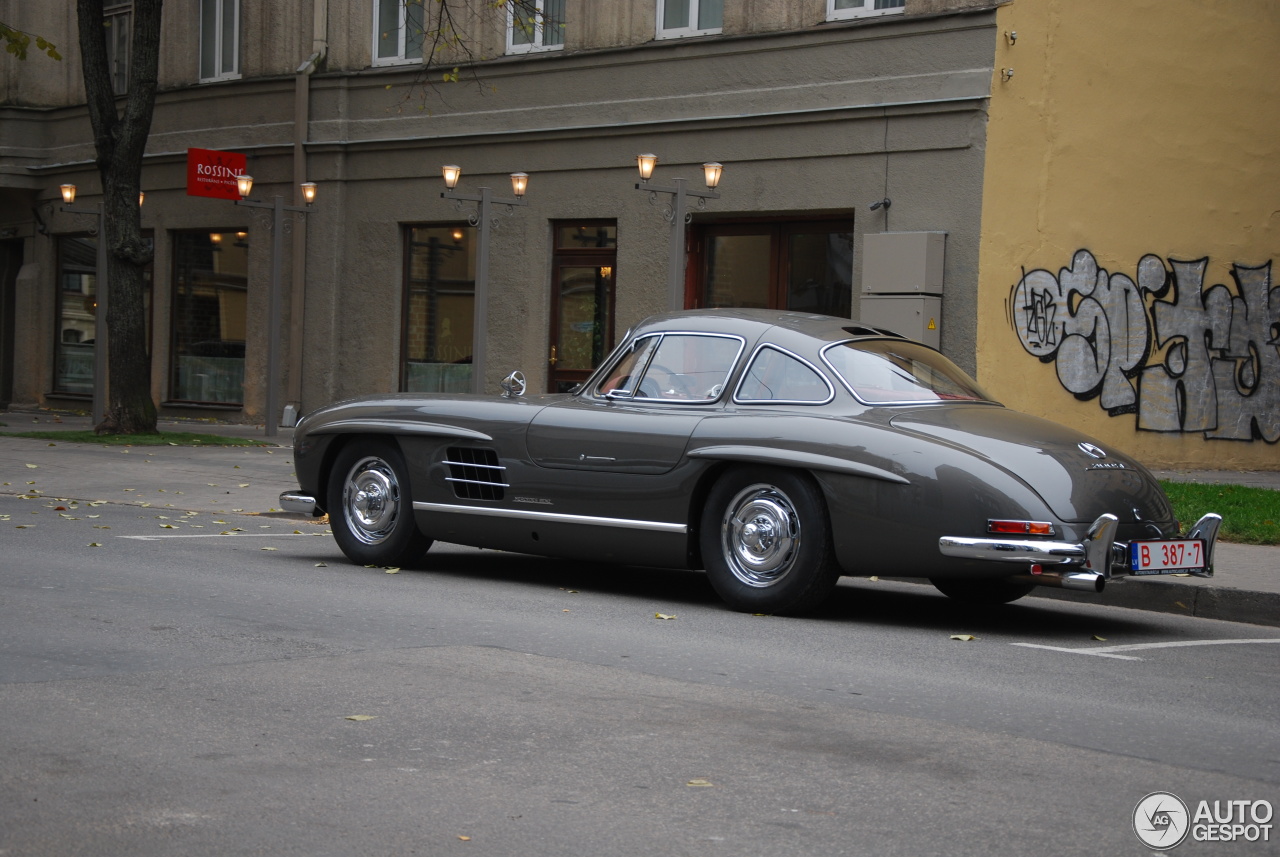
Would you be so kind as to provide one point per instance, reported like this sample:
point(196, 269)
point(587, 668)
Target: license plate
point(1170, 556)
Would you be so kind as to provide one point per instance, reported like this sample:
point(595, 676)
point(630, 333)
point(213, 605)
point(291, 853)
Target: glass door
point(582, 289)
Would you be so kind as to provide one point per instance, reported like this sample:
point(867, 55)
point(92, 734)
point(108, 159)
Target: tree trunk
point(120, 140)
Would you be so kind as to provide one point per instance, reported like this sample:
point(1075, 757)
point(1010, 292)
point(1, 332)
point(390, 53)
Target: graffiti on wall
point(1182, 357)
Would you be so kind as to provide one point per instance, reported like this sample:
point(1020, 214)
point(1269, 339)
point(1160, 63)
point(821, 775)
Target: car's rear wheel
point(996, 591)
point(766, 541)
point(370, 506)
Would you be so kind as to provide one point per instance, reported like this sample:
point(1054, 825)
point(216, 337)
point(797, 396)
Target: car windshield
point(895, 371)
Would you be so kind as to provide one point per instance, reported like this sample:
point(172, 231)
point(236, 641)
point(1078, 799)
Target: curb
point(1182, 599)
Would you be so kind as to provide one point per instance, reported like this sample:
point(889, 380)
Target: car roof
point(754, 323)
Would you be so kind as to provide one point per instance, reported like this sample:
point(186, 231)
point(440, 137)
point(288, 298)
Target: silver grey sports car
point(776, 450)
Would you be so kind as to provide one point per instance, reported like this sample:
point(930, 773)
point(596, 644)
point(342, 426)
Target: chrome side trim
point(792, 458)
point(552, 517)
point(299, 503)
point(405, 426)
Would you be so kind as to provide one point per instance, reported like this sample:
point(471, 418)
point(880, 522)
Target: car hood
point(1077, 477)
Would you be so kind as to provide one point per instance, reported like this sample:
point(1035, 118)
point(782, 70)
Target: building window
point(398, 31)
point(840, 9)
point(678, 18)
point(440, 298)
point(77, 314)
point(117, 19)
point(535, 25)
point(219, 39)
point(799, 265)
point(210, 312)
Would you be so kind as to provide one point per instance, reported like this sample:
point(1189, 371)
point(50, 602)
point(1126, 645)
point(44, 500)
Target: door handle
point(552, 361)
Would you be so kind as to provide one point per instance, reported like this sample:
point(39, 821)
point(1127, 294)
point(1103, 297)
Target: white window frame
point(868, 10)
point(221, 8)
point(539, 31)
point(401, 33)
point(691, 29)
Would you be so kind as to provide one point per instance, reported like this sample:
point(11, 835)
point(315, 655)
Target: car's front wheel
point(370, 506)
point(766, 541)
point(997, 591)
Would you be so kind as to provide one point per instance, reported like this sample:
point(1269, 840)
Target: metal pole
point(273, 319)
point(480, 314)
point(100, 322)
point(675, 260)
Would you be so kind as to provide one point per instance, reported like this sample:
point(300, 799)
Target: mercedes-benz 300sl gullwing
point(776, 450)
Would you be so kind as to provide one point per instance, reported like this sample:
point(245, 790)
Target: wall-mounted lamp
point(484, 221)
point(1006, 74)
point(68, 193)
point(519, 183)
point(244, 185)
point(879, 204)
point(215, 238)
point(646, 163)
point(677, 214)
point(1012, 36)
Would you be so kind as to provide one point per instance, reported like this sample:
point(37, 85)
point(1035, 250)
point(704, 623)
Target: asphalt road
point(180, 691)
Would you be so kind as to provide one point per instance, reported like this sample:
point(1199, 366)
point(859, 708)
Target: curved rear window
point(899, 372)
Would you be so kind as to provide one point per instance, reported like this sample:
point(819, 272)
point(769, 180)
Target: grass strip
point(1250, 515)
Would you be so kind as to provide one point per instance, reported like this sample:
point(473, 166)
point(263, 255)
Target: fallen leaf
point(32, 466)
point(663, 616)
point(1099, 639)
point(700, 783)
point(874, 577)
point(244, 484)
point(95, 544)
point(297, 532)
point(393, 571)
point(1180, 604)
point(322, 565)
point(464, 838)
point(361, 717)
point(964, 637)
point(168, 527)
point(269, 549)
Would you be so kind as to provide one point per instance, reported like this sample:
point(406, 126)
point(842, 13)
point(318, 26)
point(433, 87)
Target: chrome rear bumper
point(1089, 562)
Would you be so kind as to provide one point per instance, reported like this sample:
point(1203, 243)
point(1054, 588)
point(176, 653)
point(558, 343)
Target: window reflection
point(210, 296)
point(439, 306)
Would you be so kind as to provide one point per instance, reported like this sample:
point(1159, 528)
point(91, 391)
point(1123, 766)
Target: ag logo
point(1161, 821)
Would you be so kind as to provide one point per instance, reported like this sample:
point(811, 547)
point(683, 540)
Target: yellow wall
point(1141, 132)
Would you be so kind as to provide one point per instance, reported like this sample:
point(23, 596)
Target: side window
point(535, 25)
point(678, 18)
point(398, 27)
point(778, 376)
point(219, 40)
point(679, 367)
point(840, 9)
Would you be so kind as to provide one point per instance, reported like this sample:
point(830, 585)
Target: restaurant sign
point(211, 173)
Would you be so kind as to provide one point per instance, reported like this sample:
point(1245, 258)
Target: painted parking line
point(158, 537)
point(1113, 651)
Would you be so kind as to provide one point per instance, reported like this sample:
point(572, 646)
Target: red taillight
point(1020, 528)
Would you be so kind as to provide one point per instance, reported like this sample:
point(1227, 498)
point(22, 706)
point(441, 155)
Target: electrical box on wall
point(896, 263)
point(902, 283)
point(917, 317)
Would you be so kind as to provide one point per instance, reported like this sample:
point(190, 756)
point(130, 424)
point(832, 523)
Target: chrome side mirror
point(513, 385)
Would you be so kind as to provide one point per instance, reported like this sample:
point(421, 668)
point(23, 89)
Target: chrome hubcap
point(760, 535)
point(371, 500)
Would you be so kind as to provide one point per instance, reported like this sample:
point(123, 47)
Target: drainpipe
point(301, 126)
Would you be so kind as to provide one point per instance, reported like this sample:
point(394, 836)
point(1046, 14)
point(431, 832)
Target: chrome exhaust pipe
point(1084, 581)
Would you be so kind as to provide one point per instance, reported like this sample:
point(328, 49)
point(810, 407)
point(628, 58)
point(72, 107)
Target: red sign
point(211, 173)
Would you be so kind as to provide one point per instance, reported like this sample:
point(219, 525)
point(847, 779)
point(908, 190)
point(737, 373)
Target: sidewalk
point(248, 480)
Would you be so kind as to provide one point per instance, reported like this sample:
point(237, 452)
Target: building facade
point(817, 109)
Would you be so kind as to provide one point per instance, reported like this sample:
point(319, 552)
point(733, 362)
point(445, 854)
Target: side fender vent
point(475, 473)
